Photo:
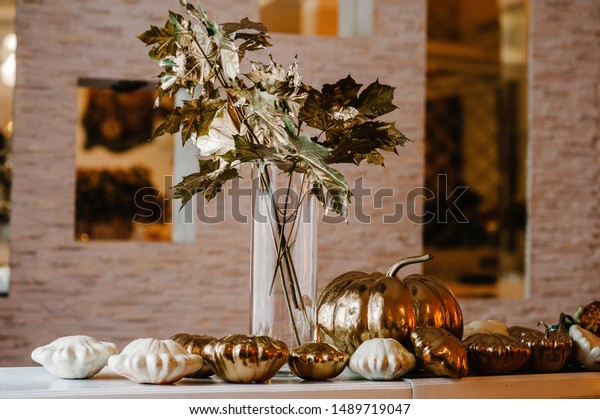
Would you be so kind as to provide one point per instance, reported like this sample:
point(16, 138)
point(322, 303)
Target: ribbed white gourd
point(74, 357)
point(154, 361)
point(586, 347)
point(381, 359)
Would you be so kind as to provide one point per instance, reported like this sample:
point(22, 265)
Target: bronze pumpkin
point(494, 353)
point(550, 350)
point(357, 306)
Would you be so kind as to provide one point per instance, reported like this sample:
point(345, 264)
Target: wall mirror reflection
point(123, 179)
point(476, 145)
point(8, 46)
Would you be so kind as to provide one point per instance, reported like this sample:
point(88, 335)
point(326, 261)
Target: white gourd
point(74, 357)
point(586, 347)
point(381, 359)
point(153, 361)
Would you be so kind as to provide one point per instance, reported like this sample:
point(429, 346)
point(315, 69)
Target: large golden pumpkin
point(358, 306)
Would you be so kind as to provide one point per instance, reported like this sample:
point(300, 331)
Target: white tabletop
point(37, 382)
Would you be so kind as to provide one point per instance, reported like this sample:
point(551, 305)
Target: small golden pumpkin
point(194, 344)
point(439, 352)
point(317, 360)
point(357, 306)
point(245, 358)
point(495, 353)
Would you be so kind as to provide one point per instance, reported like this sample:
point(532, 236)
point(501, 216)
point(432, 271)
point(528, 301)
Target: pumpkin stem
point(570, 319)
point(562, 324)
point(541, 323)
point(317, 337)
point(407, 261)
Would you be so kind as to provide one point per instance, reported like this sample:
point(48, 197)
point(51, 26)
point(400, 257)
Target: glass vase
point(284, 255)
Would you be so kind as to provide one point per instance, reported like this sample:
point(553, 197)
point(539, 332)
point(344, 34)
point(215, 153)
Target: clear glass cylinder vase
point(284, 255)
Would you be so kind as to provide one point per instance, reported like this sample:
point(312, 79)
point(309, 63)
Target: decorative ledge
point(37, 382)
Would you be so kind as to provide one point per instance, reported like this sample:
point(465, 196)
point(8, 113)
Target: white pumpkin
point(74, 357)
point(153, 361)
point(485, 326)
point(381, 359)
point(586, 347)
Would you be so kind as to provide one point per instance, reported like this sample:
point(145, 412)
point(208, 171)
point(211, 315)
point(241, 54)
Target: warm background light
point(9, 61)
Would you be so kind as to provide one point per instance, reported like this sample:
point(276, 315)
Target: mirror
point(476, 141)
point(344, 18)
point(8, 46)
point(123, 179)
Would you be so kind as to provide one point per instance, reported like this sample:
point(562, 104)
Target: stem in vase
point(285, 264)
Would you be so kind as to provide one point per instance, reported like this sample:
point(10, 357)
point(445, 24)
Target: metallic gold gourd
point(439, 352)
point(195, 344)
point(357, 306)
point(317, 360)
point(245, 358)
point(495, 353)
